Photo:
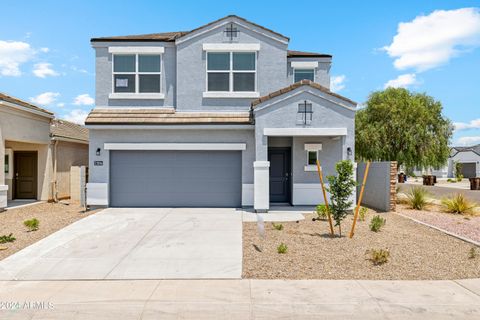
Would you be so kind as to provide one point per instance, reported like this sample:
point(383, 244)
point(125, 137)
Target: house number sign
point(98, 163)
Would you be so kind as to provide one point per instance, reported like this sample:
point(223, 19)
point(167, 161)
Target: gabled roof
point(69, 130)
point(298, 85)
point(172, 36)
point(10, 99)
point(304, 54)
point(163, 116)
point(474, 149)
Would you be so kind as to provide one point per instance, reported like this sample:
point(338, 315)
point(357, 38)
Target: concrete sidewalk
point(241, 299)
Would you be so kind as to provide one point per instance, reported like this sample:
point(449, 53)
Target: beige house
point(37, 152)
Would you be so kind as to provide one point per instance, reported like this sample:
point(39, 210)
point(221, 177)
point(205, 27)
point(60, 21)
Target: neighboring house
point(223, 115)
point(469, 157)
point(28, 136)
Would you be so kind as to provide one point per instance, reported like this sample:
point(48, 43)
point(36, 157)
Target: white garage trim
point(305, 132)
point(97, 194)
point(175, 146)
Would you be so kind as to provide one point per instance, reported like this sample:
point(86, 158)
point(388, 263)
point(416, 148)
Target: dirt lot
point(52, 217)
point(416, 252)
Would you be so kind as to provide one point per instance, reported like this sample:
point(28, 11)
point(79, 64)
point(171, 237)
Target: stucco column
point(261, 177)
point(3, 186)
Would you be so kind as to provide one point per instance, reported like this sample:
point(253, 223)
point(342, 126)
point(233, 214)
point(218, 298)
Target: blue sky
point(45, 53)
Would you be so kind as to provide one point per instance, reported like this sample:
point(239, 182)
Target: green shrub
point(472, 253)
point(322, 211)
point(451, 180)
point(278, 227)
point(458, 170)
point(459, 177)
point(377, 223)
point(458, 204)
point(341, 187)
point(5, 239)
point(32, 224)
point(378, 256)
point(362, 214)
point(417, 198)
point(282, 248)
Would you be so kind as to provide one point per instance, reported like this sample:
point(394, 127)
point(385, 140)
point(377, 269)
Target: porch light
point(349, 151)
point(98, 152)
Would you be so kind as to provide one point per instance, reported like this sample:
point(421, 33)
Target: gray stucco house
point(222, 115)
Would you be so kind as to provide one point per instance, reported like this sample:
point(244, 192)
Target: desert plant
point(451, 180)
point(362, 213)
point(417, 198)
point(377, 223)
point(378, 256)
point(458, 204)
point(32, 224)
point(458, 170)
point(459, 177)
point(282, 248)
point(341, 188)
point(5, 239)
point(322, 212)
point(278, 227)
point(472, 253)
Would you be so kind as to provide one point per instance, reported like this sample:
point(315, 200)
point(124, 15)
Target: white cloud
point(60, 104)
point(44, 50)
point(76, 69)
point(45, 98)
point(43, 70)
point(473, 124)
point(468, 141)
point(402, 81)
point(337, 83)
point(77, 116)
point(12, 55)
point(432, 40)
point(83, 100)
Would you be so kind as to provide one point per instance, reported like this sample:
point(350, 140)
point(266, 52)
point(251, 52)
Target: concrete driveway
point(146, 243)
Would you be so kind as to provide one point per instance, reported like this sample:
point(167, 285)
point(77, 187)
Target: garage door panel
point(175, 178)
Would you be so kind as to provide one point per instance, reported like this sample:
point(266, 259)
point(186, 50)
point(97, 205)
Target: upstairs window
point(231, 71)
point(136, 73)
point(303, 74)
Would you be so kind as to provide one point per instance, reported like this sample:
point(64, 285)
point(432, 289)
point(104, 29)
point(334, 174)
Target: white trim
point(4, 187)
point(261, 181)
point(121, 95)
point(261, 164)
point(247, 194)
point(305, 132)
point(310, 168)
point(136, 49)
point(175, 146)
point(231, 94)
point(20, 107)
point(304, 64)
point(313, 146)
point(221, 47)
point(97, 194)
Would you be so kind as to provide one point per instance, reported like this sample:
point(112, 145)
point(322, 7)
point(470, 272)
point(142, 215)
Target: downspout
point(55, 193)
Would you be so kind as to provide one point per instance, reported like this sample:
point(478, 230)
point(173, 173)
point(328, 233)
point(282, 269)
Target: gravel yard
point(463, 225)
point(52, 217)
point(416, 252)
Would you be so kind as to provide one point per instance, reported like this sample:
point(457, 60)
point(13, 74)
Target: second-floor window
point(136, 73)
point(303, 74)
point(231, 71)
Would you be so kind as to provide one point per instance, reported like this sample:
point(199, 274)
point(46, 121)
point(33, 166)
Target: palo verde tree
point(341, 188)
point(403, 126)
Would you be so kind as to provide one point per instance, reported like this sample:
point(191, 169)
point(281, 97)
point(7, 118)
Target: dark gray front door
point(175, 178)
point(25, 180)
point(469, 170)
point(280, 171)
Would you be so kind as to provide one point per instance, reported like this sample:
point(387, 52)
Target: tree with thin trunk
point(403, 126)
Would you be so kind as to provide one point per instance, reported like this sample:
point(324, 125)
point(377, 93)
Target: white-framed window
point(303, 74)
point(312, 156)
point(231, 71)
point(137, 73)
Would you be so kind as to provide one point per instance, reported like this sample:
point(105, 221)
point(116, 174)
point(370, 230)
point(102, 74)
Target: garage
point(469, 170)
point(152, 178)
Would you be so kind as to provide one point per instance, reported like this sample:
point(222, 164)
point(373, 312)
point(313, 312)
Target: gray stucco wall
point(100, 174)
point(377, 188)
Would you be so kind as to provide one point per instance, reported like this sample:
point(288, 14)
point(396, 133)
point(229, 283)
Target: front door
point(25, 179)
point(280, 174)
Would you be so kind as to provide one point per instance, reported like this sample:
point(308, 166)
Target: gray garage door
point(469, 170)
point(175, 178)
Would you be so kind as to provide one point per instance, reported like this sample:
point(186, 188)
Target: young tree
point(399, 125)
point(341, 189)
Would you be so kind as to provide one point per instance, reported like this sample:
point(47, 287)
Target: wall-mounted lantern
point(98, 151)
point(349, 152)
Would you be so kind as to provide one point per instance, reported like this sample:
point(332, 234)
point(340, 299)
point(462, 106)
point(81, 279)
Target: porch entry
point(280, 174)
point(25, 175)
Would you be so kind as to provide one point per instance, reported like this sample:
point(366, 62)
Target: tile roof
point(67, 129)
point(297, 85)
point(304, 54)
point(22, 103)
point(172, 36)
point(475, 149)
point(164, 116)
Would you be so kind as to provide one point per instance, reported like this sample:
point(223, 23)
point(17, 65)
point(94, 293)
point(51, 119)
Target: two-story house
point(223, 116)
